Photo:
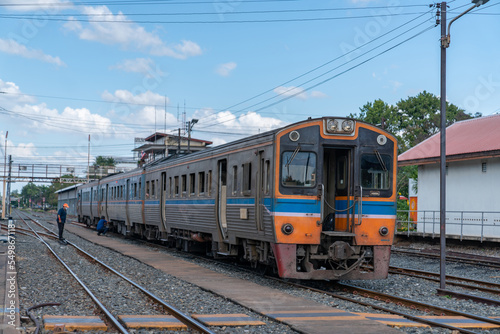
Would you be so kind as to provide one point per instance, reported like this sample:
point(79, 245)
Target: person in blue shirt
point(61, 220)
point(102, 227)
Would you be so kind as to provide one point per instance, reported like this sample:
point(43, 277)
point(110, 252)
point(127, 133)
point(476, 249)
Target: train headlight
point(287, 229)
point(340, 126)
point(383, 231)
point(347, 126)
point(332, 125)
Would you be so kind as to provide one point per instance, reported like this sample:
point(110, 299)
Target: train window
point(246, 186)
point(153, 189)
point(375, 171)
point(201, 183)
point(267, 177)
point(235, 179)
point(176, 185)
point(298, 169)
point(170, 185)
point(342, 173)
point(135, 190)
point(192, 180)
point(183, 185)
point(147, 189)
point(209, 182)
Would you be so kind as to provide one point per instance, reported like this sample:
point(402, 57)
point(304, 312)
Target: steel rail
point(413, 303)
point(376, 307)
point(381, 308)
point(91, 295)
point(477, 299)
point(476, 260)
point(487, 286)
point(185, 319)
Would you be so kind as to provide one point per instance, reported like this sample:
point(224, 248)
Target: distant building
point(472, 179)
point(159, 145)
point(68, 195)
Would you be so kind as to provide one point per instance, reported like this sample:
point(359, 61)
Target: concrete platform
point(69, 323)
point(227, 320)
point(152, 322)
point(396, 320)
point(260, 299)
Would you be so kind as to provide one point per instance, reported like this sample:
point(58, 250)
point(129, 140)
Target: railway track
point(378, 296)
point(394, 304)
point(467, 258)
point(104, 301)
point(463, 282)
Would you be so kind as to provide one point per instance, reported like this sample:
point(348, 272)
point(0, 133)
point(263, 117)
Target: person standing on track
point(61, 220)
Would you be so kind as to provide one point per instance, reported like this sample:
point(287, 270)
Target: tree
point(52, 197)
point(102, 161)
point(380, 113)
point(421, 117)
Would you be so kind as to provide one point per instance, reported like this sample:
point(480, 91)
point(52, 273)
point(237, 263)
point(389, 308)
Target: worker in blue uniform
point(102, 226)
point(61, 220)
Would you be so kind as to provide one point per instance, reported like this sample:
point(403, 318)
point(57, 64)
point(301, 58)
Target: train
point(314, 200)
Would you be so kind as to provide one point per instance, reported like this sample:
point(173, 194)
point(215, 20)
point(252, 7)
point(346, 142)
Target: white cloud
point(117, 29)
point(41, 119)
point(34, 5)
point(152, 117)
point(225, 69)
point(21, 150)
point(298, 92)
point(125, 96)
point(145, 66)
point(318, 95)
point(12, 94)
point(12, 47)
point(218, 126)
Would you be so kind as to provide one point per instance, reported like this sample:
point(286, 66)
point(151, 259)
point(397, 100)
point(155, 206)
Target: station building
point(472, 180)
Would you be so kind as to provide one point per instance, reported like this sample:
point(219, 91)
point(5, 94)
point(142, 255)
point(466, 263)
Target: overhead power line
point(114, 21)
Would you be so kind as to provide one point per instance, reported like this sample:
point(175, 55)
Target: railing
point(478, 224)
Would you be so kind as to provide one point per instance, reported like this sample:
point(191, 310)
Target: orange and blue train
point(312, 200)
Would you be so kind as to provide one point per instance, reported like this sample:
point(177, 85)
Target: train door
point(92, 199)
point(259, 193)
point(337, 197)
point(79, 210)
point(222, 197)
point(163, 196)
point(127, 200)
point(106, 195)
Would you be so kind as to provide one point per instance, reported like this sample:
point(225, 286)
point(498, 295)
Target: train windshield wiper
point(294, 154)
point(380, 161)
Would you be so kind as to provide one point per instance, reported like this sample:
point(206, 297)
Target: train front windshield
point(375, 171)
point(298, 169)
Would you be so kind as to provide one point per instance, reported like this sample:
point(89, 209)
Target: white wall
point(468, 188)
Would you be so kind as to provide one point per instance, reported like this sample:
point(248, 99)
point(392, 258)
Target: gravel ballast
point(38, 286)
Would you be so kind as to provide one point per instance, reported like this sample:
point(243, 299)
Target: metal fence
point(477, 224)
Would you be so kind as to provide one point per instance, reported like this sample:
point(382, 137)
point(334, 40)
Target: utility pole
point(88, 162)
point(190, 125)
point(8, 186)
point(4, 176)
point(445, 43)
point(442, 175)
point(179, 143)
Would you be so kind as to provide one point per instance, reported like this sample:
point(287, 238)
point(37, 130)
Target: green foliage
point(36, 193)
point(421, 117)
point(104, 161)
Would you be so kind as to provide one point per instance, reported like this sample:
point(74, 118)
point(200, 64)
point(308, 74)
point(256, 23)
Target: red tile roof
point(469, 139)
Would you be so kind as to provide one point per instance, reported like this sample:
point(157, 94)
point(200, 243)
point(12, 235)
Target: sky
point(122, 69)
